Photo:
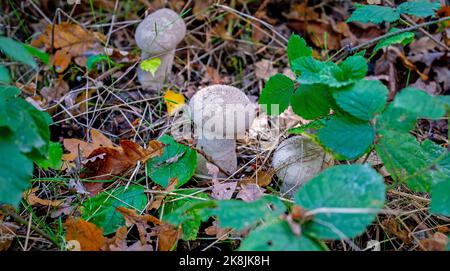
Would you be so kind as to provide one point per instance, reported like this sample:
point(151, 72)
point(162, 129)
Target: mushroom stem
point(156, 81)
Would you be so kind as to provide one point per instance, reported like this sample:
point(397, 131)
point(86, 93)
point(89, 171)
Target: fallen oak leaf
point(87, 234)
point(74, 145)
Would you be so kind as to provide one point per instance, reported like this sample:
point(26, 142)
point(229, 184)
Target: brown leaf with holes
point(106, 162)
point(72, 42)
point(86, 148)
point(33, 200)
point(87, 234)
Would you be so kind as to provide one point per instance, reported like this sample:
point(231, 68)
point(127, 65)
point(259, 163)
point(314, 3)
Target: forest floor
point(237, 43)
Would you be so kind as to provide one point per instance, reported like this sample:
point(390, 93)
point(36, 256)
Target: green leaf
point(276, 94)
point(8, 92)
point(297, 48)
point(151, 65)
point(16, 51)
point(362, 99)
point(348, 137)
point(440, 198)
point(395, 119)
point(336, 194)
point(310, 127)
point(15, 172)
point(277, 236)
point(419, 103)
point(239, 215)
point(53, 159)
point(402, 38)
point(354, 67)
point(4, 75)
point(94, 59)
point(317, 72)
point(101, 209)
point(374, 14)
point(177, 161)
point(43, 56)
point(418, 165)
point(311, 101)
point(418, 8)
point(177, 211)
point(28, 125)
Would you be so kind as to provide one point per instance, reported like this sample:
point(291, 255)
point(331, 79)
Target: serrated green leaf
point(311, 101)
point(363, 99)
point(297, 48)
point(313, 71)
point(276, 94)
point(418, 8)
point(42, 56)
point(53, 159)
point(177, 211)
point(16, 51)
point(402, 38)
point(374, 14)
point(101, 209)
point(440, 198)
point(347, 137)
point(354, 67)
point(239, 215)
point(419, 103)
point(15, 172)
point(336, 194)
point(177, 161)
point(151, 65)
point(4, 75)
point(308, 128)
point(418, 165)
point(396, 119)
point(277, 236)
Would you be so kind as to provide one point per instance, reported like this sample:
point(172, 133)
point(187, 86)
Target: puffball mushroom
point(297, 160)
point(221, 114)
point(157, 36)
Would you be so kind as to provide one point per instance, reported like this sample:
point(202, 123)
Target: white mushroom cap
point(221, 111)
point(160, 31)
point(297, 160)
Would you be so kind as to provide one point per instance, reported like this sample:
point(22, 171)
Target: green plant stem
point(388, 35)
point(22, 221)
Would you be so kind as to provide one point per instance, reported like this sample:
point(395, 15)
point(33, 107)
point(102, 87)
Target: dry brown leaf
point(72, 145)
point(33, 200)
point(58, 89)
point(7, 234)
point(168, 236)
point(392, 227)
point(223, 191)
point(250, 192)
point(87, 234)
point(215, 230)
point(105, 162)
point(264, 69)
point(263, 178)
point(301, 12)
point(158, 199)
point(71, 41)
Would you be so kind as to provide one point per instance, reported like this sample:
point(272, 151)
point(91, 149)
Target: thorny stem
point(388, 35)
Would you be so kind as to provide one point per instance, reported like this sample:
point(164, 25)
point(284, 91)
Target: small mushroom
point(221, 114)
point(157, 36)
point(297, 160)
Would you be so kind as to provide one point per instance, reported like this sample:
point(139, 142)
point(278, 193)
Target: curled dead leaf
point(87, 234)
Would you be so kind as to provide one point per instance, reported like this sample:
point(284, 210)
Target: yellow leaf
point(173, 101)
point(151, 65)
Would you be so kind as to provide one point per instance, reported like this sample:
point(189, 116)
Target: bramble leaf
point(340, 213)
point(276, 94)
point(297, 48)
point(418, 8)
point(311, 101)
point(354, 67)
point(440, 198)
point(402, 38)
point(362, 99)
point(276, 235)
point(346, 136)
point(4, 75)
point(419, 103)
point(374, 14)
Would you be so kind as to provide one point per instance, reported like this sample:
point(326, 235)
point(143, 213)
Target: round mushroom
point(221, 114)
point(297, 160)
point(157, 36)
